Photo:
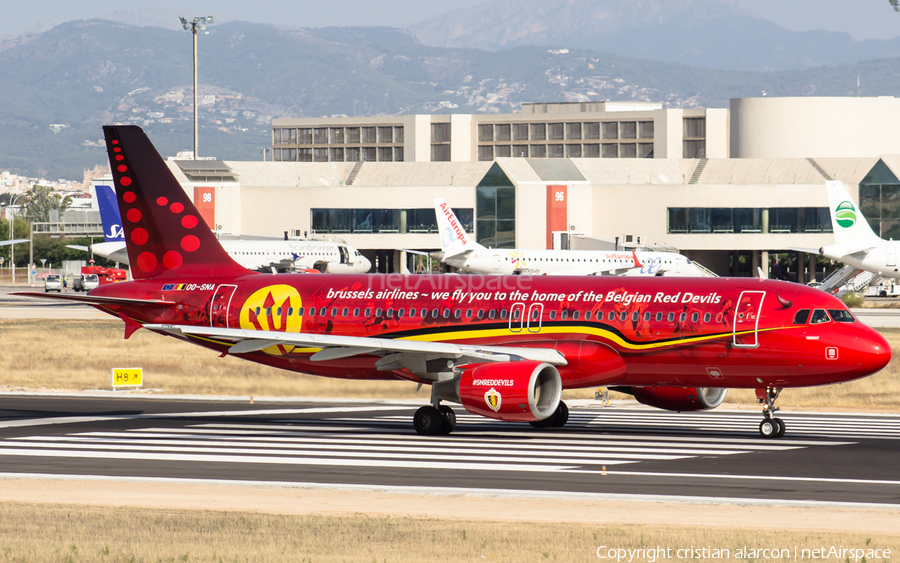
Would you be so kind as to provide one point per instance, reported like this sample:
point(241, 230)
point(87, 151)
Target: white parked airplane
point(461, 252)
point(855, 244)
point(261, 255)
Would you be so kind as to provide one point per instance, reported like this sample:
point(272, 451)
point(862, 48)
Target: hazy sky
point(863, 19)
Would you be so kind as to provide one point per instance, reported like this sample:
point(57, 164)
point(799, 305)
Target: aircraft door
point(746, 319)
point(497, 263)
point(517, 317)
point(345, 255)
point(219, 305)
point(891, 255)
point(535, 313)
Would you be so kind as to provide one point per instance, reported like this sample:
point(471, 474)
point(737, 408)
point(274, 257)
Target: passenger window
point(587, 315)
point(290, 311)
point(257, 311)
point(356, 312)
point(841, 315)
point(268, 311)
point(434, 313)
point(671, 317)
point(819, 316)
point(515, 315)
point(706, 317)
point(390, 313)
point(412, 313)
point(574, 315)
point(634, 317)
point(491, 314)
point(300, 312)
point(659, 316)
point(682, 317)
point(368, 311)
point(469, 313)
point(552, 315)
point(695, 317)
point(345, 312)
point(456, 314)
point(623, 317)
point(378, 312)
point(446, 313)
point(647, 315)
point(334, 311)
point(312, 311)
point(611, 316)
point(503, 314)
point(534, 314)
point(278, 312)
point(400, 314)
point(564, 315)
point(480, 314)
point(801, 317)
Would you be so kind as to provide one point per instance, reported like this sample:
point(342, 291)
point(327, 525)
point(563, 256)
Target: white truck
point(86, 282)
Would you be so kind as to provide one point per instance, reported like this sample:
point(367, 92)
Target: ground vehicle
point(53, 282)
point(86, 282)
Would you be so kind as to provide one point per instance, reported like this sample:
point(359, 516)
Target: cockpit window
point(819, 316)
point(841, 315)
point(801, 317)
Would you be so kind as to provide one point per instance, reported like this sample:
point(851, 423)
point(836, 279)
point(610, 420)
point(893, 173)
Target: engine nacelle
point(680, 398)
point(514, 391)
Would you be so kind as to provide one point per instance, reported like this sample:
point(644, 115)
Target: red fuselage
point(690, 332)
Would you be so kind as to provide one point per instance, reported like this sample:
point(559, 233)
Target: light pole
point(264, 151)
point(12, 246)
point(193, 26)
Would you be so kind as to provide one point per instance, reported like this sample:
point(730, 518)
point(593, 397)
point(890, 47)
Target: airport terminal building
point(728, 187)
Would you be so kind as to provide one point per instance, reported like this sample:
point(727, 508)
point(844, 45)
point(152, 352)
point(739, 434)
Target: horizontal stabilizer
point(94, 300)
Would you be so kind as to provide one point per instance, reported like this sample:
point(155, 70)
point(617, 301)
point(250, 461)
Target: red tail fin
point(164, 233)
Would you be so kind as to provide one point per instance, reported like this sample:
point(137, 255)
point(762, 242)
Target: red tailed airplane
point(501, 346)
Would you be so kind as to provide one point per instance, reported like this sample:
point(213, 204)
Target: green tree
point(40, 201)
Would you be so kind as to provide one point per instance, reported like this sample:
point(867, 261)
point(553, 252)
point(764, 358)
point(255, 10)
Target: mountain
point(62, 85)
point(706, 33)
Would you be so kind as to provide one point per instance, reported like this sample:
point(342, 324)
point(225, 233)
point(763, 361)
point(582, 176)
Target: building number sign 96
point(560, 196)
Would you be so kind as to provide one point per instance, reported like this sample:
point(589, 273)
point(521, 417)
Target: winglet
point(131, 325)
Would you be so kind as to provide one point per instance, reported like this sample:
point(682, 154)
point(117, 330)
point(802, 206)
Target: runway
point(614, 452)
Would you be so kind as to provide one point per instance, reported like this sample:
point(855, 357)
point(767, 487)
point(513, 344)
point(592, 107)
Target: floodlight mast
point(198, 23)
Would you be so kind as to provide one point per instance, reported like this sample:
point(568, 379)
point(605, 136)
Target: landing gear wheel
point(768, 428)
point(561, 416)
point(558, 418)
point(428, 421)
point(781, 428)
point(449, 419)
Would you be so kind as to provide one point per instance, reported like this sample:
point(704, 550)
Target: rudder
point(164, 233)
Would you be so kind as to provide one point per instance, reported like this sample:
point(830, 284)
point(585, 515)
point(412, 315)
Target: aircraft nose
point(875, 352)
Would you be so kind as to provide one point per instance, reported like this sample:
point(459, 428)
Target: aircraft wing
point(396, 354)
point(807, 250)
point(79, 247)
point(17, 241)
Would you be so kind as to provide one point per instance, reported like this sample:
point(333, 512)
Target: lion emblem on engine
point(493, 398)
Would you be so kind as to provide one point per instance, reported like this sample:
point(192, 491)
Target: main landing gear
point(434, 420)
point(770, 427)
point(556, 420)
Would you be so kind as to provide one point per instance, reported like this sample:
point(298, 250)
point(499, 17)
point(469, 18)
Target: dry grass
point(77, 355)
point(83, 534)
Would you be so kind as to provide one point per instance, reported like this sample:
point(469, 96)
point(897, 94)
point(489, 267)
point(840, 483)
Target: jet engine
point(514, 391)
point(678, 398)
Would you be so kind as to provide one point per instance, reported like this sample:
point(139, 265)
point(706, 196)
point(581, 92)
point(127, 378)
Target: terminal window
point(748, 220)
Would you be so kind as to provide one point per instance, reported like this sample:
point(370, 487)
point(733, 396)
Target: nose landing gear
point(770, 427)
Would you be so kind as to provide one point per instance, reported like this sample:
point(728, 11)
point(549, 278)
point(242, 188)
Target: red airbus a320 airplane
point(502, 346)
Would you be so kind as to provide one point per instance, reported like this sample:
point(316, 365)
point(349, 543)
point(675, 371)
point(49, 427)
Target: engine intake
point(678, 398)
point(514, 391)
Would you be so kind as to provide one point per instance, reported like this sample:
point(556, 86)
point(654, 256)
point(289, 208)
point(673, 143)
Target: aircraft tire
point(561, 416)
point(428, 421)
point(768, 428)
point(781, 427)
point(449, 420)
